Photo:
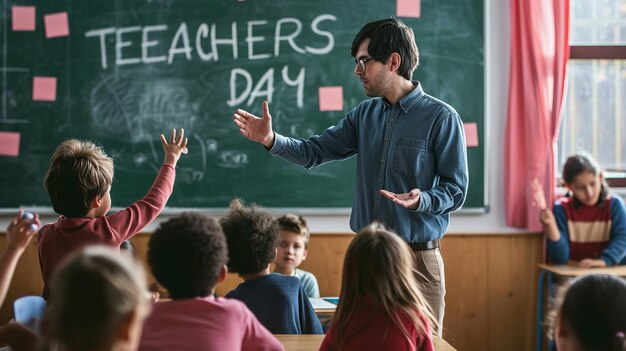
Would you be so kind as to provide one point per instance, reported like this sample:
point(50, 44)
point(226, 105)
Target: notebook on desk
point(323, 303)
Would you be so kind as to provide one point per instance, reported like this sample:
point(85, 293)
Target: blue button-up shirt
point(418, 142)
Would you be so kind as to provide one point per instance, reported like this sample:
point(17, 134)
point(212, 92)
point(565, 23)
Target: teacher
point(410, 148)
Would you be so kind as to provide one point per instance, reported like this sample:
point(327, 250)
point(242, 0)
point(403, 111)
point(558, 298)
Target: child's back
point(187, 255)
point(380, 306)
point(278, 301)
point(79, 184)
point(205, 324)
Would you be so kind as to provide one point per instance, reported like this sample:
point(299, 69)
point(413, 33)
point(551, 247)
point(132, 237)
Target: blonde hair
point(93, 293)
point(296, 224)
point(79, 171)
point(379, 267)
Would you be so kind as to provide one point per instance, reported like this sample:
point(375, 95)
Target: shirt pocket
point(409, 157)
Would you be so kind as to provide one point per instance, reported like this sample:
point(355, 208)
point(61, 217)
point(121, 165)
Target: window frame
point(603, 52)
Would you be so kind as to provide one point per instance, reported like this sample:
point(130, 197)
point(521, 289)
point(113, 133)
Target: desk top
point(572, 270)
point(322, 307)
point(307, 342)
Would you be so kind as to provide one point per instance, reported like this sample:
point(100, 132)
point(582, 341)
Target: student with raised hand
point(293, 244)
point(78, 182)
point(19, 233)
point(278, 301)
point(590, 315)
point(381, 306)
point(98, 302)
point(410, 149)
point(188, 255)
point(589, 225)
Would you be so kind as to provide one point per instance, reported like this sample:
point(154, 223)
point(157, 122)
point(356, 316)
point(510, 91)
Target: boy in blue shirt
point(278, 301)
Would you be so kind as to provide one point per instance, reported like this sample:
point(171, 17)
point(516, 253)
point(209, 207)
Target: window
point(594, 113)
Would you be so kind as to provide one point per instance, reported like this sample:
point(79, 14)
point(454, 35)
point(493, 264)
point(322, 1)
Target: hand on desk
point(591, 262)
point(409, 200)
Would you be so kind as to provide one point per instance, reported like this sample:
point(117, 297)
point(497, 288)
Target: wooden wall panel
point(512, 272)
point(491, 284)
point(465, 319)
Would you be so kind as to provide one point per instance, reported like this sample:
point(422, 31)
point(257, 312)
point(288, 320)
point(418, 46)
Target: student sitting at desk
point(187, 255)
point(590, 225)
point(277, 300)
point(293, 245)
point(380, 306)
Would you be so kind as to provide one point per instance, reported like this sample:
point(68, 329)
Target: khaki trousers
point(432, 282)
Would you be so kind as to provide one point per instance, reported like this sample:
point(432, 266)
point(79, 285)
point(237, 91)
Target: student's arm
point(558, 251)
point(309, 322)
point(549, 224)
point(256, 336)
point(616, 249)
point(127, 222)
point(19, 234)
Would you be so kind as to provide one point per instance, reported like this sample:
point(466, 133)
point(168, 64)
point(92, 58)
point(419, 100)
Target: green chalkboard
point(130, 70)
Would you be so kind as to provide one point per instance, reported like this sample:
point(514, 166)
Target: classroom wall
point(496, 67)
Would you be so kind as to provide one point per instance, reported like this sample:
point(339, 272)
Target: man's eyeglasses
point(363, 61)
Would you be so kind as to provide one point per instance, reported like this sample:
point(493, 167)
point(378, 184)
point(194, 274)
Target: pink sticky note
point(331, 98)
point(9, 144)
point(471, 134)
point(23, 18)
point(56, 25)
point(408, 8)
point(44, 88)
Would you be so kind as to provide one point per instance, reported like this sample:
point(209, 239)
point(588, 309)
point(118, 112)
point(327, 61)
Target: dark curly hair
point(252, 235)
point(186, 254)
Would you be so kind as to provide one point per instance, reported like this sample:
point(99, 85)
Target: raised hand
point(255, 128)
point(409, 200)
point(175, 147)
point(20, 231)
point(546, 216)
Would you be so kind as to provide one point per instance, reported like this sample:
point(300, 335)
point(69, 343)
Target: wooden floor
point(491, 283)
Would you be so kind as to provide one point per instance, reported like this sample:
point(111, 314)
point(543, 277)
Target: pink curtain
point(539, 54)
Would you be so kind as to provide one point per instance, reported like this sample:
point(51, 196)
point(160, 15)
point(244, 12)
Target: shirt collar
point(407, 102)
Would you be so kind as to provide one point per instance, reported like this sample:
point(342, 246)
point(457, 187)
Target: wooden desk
point(568, 271)
point(322, 307)
point(306, 342)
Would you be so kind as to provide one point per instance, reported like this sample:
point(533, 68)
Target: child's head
point(379, 269)
point(583, 177)
point(293, 242)
point(590, 314)
point(79, 178)
point(251, 234)
point(98, 301)
point(187, 255)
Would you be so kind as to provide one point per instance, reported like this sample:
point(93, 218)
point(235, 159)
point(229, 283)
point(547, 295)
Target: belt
point(429, 245)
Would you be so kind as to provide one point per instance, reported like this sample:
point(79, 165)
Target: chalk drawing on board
point(143, 108)
point(233, 159)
